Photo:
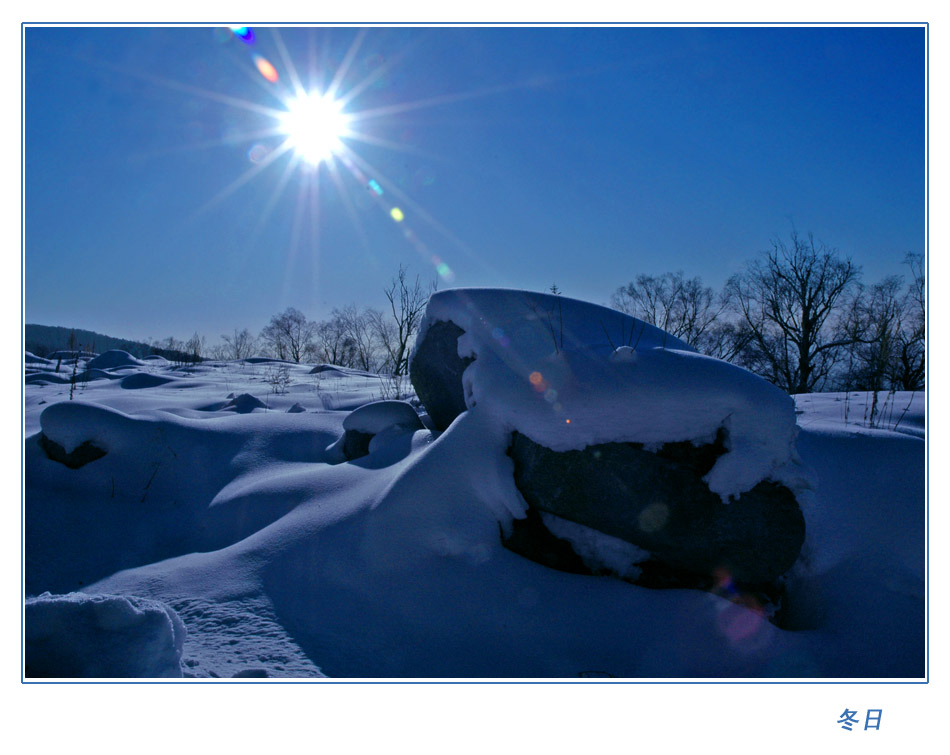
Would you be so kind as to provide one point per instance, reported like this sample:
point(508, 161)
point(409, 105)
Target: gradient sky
point(519, 157)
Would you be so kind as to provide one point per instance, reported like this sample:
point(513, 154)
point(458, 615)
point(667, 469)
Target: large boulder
point(435, 369)
point(658, 501)
point(620, 428)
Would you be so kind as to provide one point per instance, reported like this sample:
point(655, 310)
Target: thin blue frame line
point(481, 24)
point(926, 334)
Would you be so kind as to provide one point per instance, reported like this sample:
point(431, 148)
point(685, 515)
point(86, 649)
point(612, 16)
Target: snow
point(102, 636)
point(598, 551)
point(380, 415)
point(30, 358)
point(279, 561)
point(114, 358)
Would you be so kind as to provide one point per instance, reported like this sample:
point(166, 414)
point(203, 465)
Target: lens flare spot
point(550, 395)
point(377, 189)
point(244, 33)
point(535, 378)
point(445, 272)
point(740, 623)
point(397, 214)
point(257, 153)
point(567, 421)
point(265, 68)
point(653, 517)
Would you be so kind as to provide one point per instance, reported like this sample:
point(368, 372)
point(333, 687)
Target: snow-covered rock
point(80, 635)
point(114, 358)
point(386, 418)
point(591, 395)
point(244, 404)
point(549, 367)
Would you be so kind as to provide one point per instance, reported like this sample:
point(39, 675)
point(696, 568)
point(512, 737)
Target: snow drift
point(281, 561)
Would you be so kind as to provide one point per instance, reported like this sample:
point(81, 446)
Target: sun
point(315, 125)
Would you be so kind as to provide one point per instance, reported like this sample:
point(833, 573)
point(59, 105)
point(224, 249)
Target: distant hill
point(45, 339)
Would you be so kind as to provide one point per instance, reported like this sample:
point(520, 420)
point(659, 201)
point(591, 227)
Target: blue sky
point(519, 157)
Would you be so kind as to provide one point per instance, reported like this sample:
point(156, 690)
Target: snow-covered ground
point(222, 497)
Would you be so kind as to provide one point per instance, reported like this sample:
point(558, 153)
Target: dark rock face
point(356, 444)
point(435, 370)
point(531, 539)
point(368, 421)
point(659, 502)
point(78, 457)
point(245, 404)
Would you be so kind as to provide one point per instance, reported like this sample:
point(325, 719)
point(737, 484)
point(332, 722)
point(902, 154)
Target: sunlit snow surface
point(280, 563)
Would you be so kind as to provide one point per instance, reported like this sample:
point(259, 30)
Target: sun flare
point(314, 125)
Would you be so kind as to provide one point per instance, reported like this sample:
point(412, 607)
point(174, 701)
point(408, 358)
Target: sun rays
point(315, 126)
point(311, 130)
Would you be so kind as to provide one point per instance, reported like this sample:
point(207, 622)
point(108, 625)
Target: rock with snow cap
point(369, 420)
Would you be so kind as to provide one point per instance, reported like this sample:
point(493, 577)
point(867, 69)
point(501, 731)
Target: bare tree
point(875, 323)
point(240, 345)
point(910, 364)
point(407, 302)
point(361, 333)
point(791, 301)
point(195, 347)
point(682, 307)
point(289, 334)
point(333, 344)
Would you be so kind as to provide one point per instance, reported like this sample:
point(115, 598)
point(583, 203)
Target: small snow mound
point(245, 404)
point(624, 354)
point(380, 415)
point(80, 635)
point(140, 380)
point(329, 370)
point(72, 423)
point(296, 409)
point(46, 378)
point(31, 358)
point(251, 673)
point(268, 360)
point(114, 358)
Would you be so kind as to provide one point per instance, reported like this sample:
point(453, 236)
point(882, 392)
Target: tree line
point(799, 316)
point(364, 338)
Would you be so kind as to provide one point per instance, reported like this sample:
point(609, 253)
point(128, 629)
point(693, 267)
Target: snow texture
point(280, 562)
point(80, 635)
